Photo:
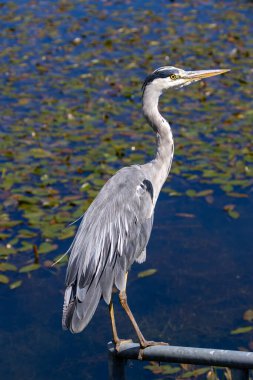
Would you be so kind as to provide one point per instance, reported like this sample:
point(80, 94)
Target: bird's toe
point(121, 342)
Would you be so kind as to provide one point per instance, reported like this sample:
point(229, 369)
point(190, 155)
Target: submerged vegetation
point(70, 110)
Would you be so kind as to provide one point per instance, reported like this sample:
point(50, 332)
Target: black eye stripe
point(159, 74)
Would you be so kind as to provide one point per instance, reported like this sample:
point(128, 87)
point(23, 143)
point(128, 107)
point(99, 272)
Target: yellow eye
point(174, 76)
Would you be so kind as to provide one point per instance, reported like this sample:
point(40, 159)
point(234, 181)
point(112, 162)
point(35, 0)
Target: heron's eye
point(174, 76)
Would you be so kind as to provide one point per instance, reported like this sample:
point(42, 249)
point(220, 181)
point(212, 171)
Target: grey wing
point(113, 234)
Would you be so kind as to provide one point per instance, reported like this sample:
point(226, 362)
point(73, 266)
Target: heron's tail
point(76, 313)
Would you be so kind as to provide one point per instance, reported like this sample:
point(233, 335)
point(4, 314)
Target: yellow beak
point(201, 74)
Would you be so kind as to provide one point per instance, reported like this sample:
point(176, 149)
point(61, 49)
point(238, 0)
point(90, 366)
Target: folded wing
point(113, 234)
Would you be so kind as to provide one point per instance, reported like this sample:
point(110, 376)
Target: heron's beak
point(201, 74)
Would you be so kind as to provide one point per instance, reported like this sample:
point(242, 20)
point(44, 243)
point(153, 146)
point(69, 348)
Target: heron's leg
point(143, 342)
point(116, 339)
point(114, 329)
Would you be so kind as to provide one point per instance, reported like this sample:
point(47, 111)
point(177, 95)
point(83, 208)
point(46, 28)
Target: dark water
point(202, 287)
point(203, 256)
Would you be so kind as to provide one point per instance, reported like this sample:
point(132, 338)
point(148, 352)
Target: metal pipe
point(175, 354)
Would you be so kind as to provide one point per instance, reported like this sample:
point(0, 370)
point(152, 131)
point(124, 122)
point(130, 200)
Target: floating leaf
point(4, 279)
point(146, 273)
point(60, 259)
point(7, 266)
point(204, 193)
point(237, 195)
point(40, 153)
point(26, 234)
point(212, 375)
point(26, 247)
point(85, 186)
point(6, 250)
point(4, 236)
point(170, 370)
point(15, 284)
point(242, 330)
point(163, 369)
point(230, 209)
point(195, 372)
point(191, 193)
point(233, 214)
point(29, 268)
point(185, 215)
point(67, 232)
point(47, 247)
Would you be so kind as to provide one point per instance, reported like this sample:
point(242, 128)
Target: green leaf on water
point(26, 233)
point(9, 223)
point(233, 214)
point(7, 266)
point(163, 369)
point(242, 330)
point(85, 186)
point(4, 279)
point(204, 193)
point(63, 259)
point(15, 284)
point(29, 268)
point(47, 247)
point(4, 236)
point(191, 193)
point(146, 273)
point(67, 232)
point(4, 251)
point(39, 153)
point(237, 195)
point(195, 372)
point(26, 247)
point(230, 209)
point(170, 370)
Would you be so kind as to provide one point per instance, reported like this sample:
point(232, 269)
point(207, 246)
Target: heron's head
point(171, 77)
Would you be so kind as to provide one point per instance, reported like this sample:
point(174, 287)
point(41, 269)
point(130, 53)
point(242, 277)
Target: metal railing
point(240, 362)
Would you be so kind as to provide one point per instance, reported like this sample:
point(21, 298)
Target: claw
point(140, 354)
point(149, 343)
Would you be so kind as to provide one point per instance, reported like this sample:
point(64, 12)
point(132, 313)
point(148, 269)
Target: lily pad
point(7, 267)
point(195, 372)
point(47, 247)
point(4, 279)
point(242, 330)
point(29, 268)
point(15, 284)
point(147, 273)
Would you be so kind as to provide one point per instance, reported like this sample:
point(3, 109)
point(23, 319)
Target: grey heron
point(115, 229)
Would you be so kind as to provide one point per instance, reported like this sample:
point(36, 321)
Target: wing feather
point(112, 235)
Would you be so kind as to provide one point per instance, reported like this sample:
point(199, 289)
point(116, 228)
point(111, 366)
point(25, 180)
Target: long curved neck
point(164, 137)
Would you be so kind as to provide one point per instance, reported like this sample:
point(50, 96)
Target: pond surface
point(70, 108)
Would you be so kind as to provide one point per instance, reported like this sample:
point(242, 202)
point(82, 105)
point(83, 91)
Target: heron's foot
point(149, 343)
point(119, 342)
